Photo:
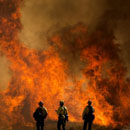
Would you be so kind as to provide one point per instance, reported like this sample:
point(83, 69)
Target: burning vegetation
point(76, 67)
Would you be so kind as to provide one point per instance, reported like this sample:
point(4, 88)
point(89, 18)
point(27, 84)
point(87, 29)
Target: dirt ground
point(52, 125)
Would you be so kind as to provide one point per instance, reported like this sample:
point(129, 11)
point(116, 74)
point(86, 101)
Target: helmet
point(61, 102)
point(89, 102)
point(40, 103)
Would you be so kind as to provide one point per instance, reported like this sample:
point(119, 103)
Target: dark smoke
point(117, 17)
point(42, 18)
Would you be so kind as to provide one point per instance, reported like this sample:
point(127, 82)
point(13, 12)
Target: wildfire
point(49, 75)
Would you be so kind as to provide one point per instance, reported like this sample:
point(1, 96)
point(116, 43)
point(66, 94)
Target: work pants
point(61, 123)
point(87, 124)
point(40, 125)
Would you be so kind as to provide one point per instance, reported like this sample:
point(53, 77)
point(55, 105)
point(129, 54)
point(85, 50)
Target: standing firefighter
point(62, 116)
point(88, 116)
point(39, 115)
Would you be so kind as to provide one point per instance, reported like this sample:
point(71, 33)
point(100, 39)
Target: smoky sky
point(5, 74)
point(40, 18)
point(118, 17)
point(43, 17)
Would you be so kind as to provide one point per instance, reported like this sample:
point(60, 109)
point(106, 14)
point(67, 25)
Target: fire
point(77, 67)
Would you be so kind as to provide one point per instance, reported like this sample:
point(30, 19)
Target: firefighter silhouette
point(62, 116)
point(39, 115)
point(88, 116)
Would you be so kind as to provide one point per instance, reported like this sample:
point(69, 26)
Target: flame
point(46, 75)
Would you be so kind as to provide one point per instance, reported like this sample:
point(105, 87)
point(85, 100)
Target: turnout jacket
point(62, 112)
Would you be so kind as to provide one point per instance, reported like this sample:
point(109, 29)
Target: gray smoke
point(43, 17)
point(5, 74)
point(40, 18)
point(117, 16)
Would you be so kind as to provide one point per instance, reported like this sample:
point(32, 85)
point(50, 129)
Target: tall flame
point(49, 75)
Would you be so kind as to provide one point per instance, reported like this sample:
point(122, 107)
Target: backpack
point(39, 115)
point(90, 116)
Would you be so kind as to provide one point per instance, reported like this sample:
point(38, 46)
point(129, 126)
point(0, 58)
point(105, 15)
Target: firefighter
point(88, 116)
point(62, 116)
point(40, 115)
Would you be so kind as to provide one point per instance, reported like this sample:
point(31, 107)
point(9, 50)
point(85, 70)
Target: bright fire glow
point(44, 75)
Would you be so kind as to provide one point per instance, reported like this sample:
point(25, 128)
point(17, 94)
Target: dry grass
point(52, 125)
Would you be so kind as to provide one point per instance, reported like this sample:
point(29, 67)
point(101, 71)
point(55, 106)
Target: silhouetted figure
point(39, 115)
point(62, 116)
point(88, 116)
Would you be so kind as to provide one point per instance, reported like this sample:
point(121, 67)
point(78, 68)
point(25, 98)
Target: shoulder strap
point(65, 111)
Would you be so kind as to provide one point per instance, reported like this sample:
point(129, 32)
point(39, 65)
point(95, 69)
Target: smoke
point(122, 34)
point(5, 74)
point(117, 18)
point(43, 17)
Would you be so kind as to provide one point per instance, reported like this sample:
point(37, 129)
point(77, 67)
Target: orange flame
point(44, 75)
